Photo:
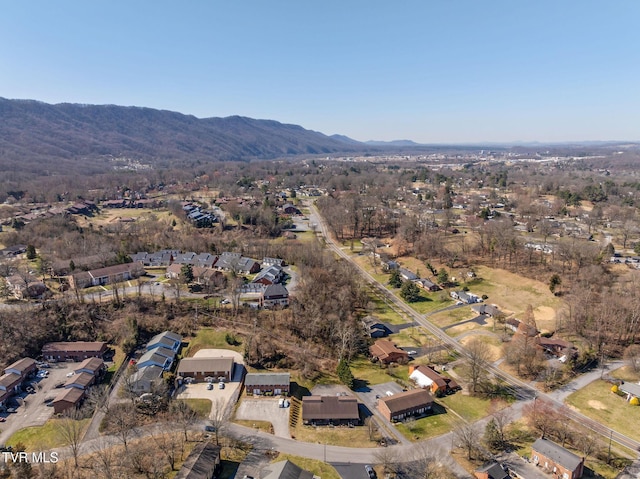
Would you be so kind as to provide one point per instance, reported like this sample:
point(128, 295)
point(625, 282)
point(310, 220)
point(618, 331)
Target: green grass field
point(598, 402)
point(211, 338)
point(202, 407)
point(40, 438)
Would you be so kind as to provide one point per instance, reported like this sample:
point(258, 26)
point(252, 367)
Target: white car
point(412, 353)
point(225, 301)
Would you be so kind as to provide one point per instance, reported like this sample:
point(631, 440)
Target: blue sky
point(431, 71)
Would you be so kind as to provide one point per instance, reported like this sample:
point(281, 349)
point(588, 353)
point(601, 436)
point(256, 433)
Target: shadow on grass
point(298, 391)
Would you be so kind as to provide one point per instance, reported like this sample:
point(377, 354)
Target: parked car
point(225, 301)
point(221, 385)
point(412, 353)
point(210, 386)
point(3, 419)
point(370, 471)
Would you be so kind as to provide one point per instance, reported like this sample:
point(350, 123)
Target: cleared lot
point(265, 409)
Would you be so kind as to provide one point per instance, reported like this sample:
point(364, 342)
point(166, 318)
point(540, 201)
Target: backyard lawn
point(436, 424)
point(211, 338)
point(598, 402)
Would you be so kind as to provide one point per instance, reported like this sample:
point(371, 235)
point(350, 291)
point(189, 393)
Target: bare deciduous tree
point(71, 430)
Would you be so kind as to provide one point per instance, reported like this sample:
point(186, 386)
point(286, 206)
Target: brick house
point(202, 368)
point(74, 350)
point(267, 383)
point(425, 377)
point(556, 460)
point(398, 407)
point(67, 399)
point(386, 352)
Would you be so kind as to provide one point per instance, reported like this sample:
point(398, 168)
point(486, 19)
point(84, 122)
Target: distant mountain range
point(32, 130)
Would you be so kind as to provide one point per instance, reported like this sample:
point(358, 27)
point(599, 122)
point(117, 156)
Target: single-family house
point(374, 328)
point(492, 470)
point(556, 347)
point(286, 470)
point(67, 399)
point(202, 463)
point(407, 275)
point(398, 407)
point(520, 327)
point(73, 350)
point(334, 410)
point(25, 286)
point(490, 310)
point(465, 297)
point(266, 262)
point(146, 379)
point(386, 352)
point(267, 383)
point(270, 275)
point(274, 295)
point(390, 265)
point(151, 358)
point(14, 250)
point(427, 284)
point(289, 209)
point(199, 368)
point(556, 460)
point(630, 389)
point(427, 378)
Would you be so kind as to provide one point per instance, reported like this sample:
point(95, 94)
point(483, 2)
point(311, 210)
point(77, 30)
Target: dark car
point(370, 471)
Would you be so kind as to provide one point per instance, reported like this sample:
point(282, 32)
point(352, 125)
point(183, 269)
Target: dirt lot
point(265, 409)
point(31, 408)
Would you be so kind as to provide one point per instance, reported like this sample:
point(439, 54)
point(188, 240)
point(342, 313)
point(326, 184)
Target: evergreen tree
point(395, 280)
point(410, 292)
point(344, 374)
point(31, 252)
point(186, 272)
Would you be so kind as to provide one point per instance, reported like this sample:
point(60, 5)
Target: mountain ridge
point(68, 131)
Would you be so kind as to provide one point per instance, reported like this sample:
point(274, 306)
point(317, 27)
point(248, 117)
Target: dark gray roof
point(267, 379)
point(275, 291)
point(494, 470)
point(201, 462)
point(557, 453)
point(286, 470)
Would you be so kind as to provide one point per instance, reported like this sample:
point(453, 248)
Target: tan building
point(398, 407)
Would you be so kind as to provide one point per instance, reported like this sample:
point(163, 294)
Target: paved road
point(521, 389)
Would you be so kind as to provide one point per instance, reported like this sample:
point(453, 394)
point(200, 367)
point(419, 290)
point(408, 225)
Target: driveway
point(31, 408)
point(265, 409)
point(231, 391)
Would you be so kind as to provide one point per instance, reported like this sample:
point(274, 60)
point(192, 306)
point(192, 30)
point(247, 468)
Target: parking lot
point(265, 409)
point(371, 394)
point(31, 409)
point(231, 391)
